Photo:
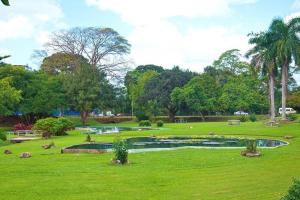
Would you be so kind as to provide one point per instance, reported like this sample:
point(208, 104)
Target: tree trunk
point(284, 75)
point(172, 116)
point(83, 118)
point(272, 96)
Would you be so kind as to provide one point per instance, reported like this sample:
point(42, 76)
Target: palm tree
point(263, 57)
point(287, 44)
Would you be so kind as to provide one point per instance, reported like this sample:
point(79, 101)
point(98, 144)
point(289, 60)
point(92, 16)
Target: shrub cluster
point(292, 117)
point(251, 146)
point(121, 151)
point(53, 126)
point(293, 192)
point(243, 118)
point(21, 126)
point(3, 136)
point(145, 123)
point(252, 117)
point(160, 123)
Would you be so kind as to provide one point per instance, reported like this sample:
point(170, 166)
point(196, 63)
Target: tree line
point(84, 69)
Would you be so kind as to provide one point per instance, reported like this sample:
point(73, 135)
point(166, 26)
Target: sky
point(188, 33)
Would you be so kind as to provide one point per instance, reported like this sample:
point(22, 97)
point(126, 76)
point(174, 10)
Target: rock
point(48, 146)
point(250, 154)
point(211, 134)
point(7, 151)
point(114, 161)
point(25, 155)
point(288, 137)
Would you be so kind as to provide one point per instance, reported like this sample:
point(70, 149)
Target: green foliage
point(5, 2)
point(3, 136)
point(252, 117)
point(251, 146)
point(9, 97)
point(141, 115)
point(53, 126)
point(160, 123)
point(88, 138)
point(292, 117)
point(293, 192)
point(243, 118)
point(145, 123)
point(120, 149)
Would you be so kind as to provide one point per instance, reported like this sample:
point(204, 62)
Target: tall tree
point(104, 48)
point(84, 88)
point(9, 97)
point(5, 2)
point(263, 57)
point(286, 41)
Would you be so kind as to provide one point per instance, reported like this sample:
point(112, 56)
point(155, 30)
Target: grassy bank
point(179, 174)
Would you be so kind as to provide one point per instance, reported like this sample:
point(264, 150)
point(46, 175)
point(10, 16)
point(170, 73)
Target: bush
point(243, 118)
point(293, 192)
point(121, 151)
point(3, 136)
point(141, 115)
point(292, 117)
point(53, 126)
point(145, 123)
point(252, 117)
point(88, 138)
point(251, 146)
point(160, 123)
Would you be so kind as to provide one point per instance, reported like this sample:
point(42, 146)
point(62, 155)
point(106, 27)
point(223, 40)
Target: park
point(86, 122)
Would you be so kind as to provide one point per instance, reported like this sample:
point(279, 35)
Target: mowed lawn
point(205, 174)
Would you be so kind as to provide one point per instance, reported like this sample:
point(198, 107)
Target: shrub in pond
point(53, 126)
point(243, 118)
point(293, 192)
point(120, 149)
point(3, 136)
point(160, 123)
point(251, 149)
point(252, 117)
point(145, 123)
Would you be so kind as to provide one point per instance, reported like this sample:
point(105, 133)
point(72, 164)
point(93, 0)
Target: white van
point(287, 110)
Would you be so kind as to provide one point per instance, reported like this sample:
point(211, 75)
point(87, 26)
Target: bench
point(272, 123)
point(234, 122)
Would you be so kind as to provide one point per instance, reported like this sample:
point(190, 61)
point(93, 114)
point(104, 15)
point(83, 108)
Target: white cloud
point(156, 40)
point(291, 16)
point(27, 19)
point(140, 12)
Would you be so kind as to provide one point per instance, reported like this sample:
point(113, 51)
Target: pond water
point(140, 144)
point(111, 129)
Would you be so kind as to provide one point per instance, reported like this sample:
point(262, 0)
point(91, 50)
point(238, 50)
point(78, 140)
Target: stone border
point(93, 151)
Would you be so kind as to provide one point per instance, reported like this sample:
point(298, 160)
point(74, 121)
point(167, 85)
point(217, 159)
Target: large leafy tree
point(160, 88)
point(85, 88)
point(286, 41)
point(9, 97)
point(263, 57)
point(200, 94)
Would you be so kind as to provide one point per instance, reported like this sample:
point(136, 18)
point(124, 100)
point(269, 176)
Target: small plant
point(121, 151)
point(145, 123)
point(160, 123)
point(292, 117)
point(3, 136)
point(88, 138)
point(293, 192)
point(252, 117)
point(251, 146)
point(243, 118)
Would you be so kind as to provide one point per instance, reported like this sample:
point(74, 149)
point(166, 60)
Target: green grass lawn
point(206, 174)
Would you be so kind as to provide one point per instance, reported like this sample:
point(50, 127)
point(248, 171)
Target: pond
point(141, 144)
point(111, 129)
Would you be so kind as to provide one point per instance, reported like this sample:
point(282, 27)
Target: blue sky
point(189, 33)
